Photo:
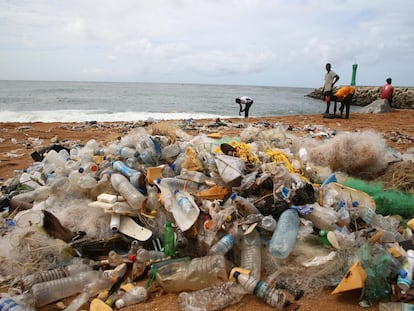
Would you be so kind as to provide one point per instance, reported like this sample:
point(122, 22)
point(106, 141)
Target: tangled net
point(400, 176)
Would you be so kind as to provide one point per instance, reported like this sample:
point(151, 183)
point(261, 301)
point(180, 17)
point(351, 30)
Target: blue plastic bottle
point(124, 169)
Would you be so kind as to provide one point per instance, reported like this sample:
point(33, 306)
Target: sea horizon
point(74, 101)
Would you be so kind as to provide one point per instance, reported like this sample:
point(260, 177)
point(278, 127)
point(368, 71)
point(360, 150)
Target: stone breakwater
point(365, 95)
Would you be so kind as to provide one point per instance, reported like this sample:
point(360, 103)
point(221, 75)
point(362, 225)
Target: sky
point(237, 42)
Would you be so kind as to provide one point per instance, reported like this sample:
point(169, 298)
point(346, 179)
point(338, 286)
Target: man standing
point(387, 91)
point(330, 79)
point(247, 101)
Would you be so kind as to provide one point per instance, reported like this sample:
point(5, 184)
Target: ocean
point(55, 101)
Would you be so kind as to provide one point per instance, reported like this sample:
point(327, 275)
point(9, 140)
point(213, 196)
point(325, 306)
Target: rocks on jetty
point(365, 95)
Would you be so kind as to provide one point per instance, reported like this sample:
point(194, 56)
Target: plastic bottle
point(144, 255)
point(50, 291)
point(404, 282)
point(115, 259)
point(194, 274)
point(89, 168)
point(186, 211)
point(251, 253)
point(168, 185)
point(16, 303)
point(244, 206)
point(54, 274)
point(31, 181)
point(272, 296)
point(323, 218)
point(39, 194)
point(195, 176)
point(122, 185)
point(135, 295)
point(225, 244)
point(170, 151)
point(124, 169)
point(127, 152)
point(211, 298)
point(168, 238)
point(268, 223)
point(176, 165)
point(53, 159)
point(395, 306)
point(284, 237)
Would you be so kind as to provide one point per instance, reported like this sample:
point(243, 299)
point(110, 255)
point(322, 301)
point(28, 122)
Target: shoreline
point(19, 139)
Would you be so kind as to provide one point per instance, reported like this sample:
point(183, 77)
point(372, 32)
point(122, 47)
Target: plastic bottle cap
point(81, 170)
point(233, 196)
point(355, 204)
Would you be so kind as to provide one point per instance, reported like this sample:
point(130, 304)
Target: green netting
point(388, 202)
point(379, 265)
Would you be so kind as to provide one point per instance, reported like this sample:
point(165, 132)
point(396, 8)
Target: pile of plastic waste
point(210, 218)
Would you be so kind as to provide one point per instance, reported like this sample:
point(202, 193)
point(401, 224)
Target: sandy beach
point(19, 140)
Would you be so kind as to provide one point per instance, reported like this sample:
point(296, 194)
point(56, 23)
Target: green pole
point(354, 70)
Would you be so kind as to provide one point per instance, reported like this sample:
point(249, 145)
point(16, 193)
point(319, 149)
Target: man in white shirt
point(247, 102)
point(330, 79)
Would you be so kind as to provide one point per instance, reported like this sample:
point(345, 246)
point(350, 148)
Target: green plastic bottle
point(169, 240)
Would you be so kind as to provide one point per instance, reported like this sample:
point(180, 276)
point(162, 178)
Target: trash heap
point(208, 217)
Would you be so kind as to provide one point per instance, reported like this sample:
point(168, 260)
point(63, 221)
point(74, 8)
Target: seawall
point(365, 95)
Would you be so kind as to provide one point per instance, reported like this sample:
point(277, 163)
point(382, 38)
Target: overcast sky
point(247, 42)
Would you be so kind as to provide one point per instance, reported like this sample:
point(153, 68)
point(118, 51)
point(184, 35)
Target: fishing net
point(399, 176)
point(388, 202)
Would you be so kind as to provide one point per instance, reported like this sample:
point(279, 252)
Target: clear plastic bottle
point(284, 237)
point(272, 296)
point(226, 243)
point(185, 211)
point(39, 194)
point(54, 274)
point(244, 206)
point(323, 218)
point(144, 255)
point(168, 238)
point(251, 253)
point(170, 151)
point(50, 291)
point(133, 296)
point(54, 158)
point(127, 152)
point(122, 185)
point(195, 176)
point(211, 298)
point(194, 274)
point(268, 223)
point(22, 302)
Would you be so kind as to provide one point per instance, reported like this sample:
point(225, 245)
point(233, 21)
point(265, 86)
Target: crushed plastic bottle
point(211, 298)
point(195, 274)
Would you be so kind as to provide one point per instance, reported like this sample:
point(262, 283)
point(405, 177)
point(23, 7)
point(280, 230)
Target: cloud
point(249, 41)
